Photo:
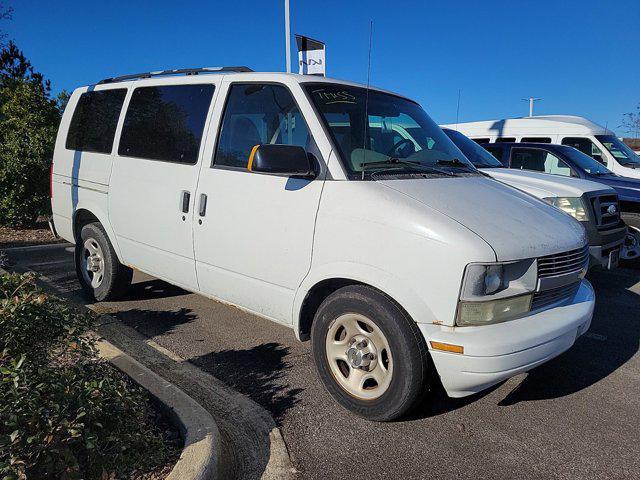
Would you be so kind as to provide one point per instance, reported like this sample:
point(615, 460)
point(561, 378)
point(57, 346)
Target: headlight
point(496, 292)
point(573, 206)
point(493, 311)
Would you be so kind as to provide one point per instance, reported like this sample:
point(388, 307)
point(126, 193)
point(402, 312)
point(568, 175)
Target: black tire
point(633, 224)
point(411, 366)
point(116, 278)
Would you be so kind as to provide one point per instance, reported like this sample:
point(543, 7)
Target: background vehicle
point(568, 162)
point(578, 132)
point(579, 198)
point(294, 198)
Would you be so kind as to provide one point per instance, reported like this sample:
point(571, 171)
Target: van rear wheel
point(99, 271)
point(369, 354)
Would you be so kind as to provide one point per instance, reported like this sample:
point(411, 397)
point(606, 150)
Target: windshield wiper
point(405, 163)
point(454, 162)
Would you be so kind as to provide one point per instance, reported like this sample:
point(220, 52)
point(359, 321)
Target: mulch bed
point(23, 237)
point(172, 441)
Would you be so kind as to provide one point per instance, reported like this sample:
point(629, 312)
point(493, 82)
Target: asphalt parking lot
point(578, 416)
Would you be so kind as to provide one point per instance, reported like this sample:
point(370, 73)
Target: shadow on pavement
point(155, 322)
point(258, 372)
point(611, 341)
point(151, 289)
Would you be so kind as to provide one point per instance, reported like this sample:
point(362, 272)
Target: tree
point(29, 118)
point(631, 122)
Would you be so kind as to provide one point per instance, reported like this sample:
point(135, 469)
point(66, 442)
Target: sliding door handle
point(202, 209)
point(185, 198)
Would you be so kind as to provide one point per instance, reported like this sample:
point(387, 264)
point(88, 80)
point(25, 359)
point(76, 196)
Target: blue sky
point(580, 56)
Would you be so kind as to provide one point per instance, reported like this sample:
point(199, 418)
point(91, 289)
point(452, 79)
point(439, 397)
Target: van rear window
point(535, 140)
point(166, 123)
point(94, 121)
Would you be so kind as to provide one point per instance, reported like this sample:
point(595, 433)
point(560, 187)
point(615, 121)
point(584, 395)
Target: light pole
point(287, 32)
point(531, 100)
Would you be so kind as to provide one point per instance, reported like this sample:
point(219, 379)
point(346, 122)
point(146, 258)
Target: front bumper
point(493, 353)
point(601, 243)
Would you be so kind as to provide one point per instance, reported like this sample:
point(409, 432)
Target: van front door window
point(255, 115)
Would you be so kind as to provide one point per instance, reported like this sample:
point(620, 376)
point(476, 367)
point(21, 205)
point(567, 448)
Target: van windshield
point(474, 152)
point(585, 162)
point(620, 151)
point(397, 136)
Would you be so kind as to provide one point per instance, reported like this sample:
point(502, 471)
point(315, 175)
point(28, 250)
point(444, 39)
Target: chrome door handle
point(202, 210)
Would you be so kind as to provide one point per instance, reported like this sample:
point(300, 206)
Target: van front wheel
point(99, 271)
point(369, 354)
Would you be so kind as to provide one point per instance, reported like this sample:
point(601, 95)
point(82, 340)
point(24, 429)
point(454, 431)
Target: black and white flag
point(310, 56)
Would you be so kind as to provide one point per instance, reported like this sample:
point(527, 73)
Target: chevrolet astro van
point(293, 198)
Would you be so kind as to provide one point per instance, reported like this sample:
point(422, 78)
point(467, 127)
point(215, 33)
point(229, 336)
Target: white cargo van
point(291, 197)
point(578, 132)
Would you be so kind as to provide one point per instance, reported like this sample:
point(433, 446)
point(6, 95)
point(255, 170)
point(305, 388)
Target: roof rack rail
point(180, 71)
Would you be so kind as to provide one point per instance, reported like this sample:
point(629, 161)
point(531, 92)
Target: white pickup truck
point(571, 195)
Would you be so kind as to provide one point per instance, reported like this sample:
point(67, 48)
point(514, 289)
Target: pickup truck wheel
point(369, 354)
point(99, 271)
point(630, 251)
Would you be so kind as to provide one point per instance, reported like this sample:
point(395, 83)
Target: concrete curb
point(30, 248)
point(201, 451)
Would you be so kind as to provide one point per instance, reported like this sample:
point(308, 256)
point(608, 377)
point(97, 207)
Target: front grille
point(555, 295)
point(601, 205)
point(561, 263)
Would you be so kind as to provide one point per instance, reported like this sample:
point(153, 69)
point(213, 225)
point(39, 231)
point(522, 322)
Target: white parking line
point(173, 356)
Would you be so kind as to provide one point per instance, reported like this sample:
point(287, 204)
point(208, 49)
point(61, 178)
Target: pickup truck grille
point(607, 210)
point(555, 295)
point(561, 263)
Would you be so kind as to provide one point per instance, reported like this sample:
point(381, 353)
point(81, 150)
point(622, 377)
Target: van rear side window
point(535, 140)
point(166, 123)
point(94, 121)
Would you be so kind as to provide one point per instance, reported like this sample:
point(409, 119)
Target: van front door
point(253, 233)
point(152, 187)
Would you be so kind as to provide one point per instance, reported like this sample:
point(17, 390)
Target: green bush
point(29, 119)
point(65, 414)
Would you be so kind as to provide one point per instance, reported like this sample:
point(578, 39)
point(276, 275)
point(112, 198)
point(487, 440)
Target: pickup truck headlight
point(573, 206)
point(496, 292)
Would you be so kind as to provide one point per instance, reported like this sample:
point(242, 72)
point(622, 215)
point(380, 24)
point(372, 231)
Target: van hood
point(515, 224)
point(543, 185)
point(630, 172)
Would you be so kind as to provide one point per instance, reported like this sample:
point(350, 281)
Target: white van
point(578, 132)
point(274, 193)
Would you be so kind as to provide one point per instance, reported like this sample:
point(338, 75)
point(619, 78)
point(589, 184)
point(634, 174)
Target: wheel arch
point(323, 283)
point(85, 214)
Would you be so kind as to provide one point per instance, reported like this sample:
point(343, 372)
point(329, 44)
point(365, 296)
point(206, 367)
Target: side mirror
point(281, 160)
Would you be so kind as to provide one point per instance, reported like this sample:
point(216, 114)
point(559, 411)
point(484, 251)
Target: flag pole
point(287, 33)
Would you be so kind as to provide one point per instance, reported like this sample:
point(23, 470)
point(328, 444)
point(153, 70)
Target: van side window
point(481, 140)
point(538, 160)
point(586, 146)
point(166, 122)
point(505, 139)
point(495, 151)
point(258, 114)
point(535, 140)
point(94, 121)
